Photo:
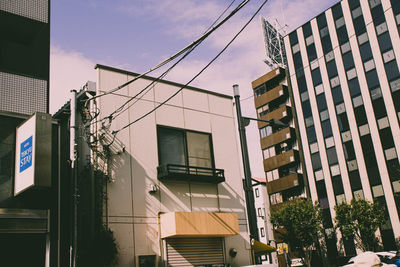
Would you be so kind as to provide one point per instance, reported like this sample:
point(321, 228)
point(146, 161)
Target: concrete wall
point(133, 212)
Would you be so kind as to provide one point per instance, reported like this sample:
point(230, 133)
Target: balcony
point(173, 172)
point(283, 114)
point(280, 160)
point(284, 183)
point(279, 92)
point(278, 137)
point(270, 77)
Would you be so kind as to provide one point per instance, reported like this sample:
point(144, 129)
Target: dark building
point(24, 89)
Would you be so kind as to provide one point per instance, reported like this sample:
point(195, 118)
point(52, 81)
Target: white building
point(344, 71)
point(177, 194)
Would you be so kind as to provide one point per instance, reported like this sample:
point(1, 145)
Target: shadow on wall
point(131, 182)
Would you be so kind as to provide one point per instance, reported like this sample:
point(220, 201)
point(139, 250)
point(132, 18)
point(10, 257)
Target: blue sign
point(25, 154)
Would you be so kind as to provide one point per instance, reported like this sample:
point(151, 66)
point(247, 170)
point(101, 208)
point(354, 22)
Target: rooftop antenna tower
point(273, 41)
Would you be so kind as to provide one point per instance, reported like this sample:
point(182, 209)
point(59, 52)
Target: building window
point(276, 198)
point(262, 231)
point(261, 111)
point(182, 147)
point(269, 152)
point(272, 175)
point(265, 131)
point(257, 192)
point(259, 211)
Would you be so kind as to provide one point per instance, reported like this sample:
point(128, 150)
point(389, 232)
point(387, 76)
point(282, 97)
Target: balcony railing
point(173, 172)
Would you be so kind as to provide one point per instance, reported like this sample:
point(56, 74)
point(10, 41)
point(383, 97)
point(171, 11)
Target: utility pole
point(74, 180)
point(248, 187)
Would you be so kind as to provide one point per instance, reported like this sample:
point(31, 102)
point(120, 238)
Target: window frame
point(185, 144)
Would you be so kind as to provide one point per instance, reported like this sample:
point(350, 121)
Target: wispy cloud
point(68, 70)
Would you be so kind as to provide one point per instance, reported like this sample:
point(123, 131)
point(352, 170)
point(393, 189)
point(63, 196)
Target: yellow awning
point(260, 247)
point(198, 224)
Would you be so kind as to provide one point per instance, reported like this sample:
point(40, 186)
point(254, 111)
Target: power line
point(120, 109)
point(198, 74)
point(182, 51)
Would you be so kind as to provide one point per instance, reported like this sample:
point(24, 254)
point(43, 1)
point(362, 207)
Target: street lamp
point(247, 183)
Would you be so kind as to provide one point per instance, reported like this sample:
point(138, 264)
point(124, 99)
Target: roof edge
point(100, 66)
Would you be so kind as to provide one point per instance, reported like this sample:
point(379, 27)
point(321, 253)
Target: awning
point(260, 247)
point(198, 224)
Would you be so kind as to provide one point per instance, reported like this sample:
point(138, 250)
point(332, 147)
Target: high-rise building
point(282, 160)
point(24, 56)
point(344, 71)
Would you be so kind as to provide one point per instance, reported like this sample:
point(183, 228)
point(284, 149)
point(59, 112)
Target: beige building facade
point(176, 195)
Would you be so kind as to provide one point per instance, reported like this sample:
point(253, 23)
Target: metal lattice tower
point(275, 49)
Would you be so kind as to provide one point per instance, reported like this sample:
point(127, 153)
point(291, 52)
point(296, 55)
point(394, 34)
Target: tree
point(359, 220)
point(302, 223)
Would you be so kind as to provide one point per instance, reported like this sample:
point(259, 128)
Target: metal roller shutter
point(195, 251)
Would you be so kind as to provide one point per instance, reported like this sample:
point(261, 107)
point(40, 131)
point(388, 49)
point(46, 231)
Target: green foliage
point(302, 223)
point(359, 220)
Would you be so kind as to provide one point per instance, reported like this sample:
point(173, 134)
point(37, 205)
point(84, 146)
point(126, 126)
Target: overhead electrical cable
point(198, 74)
point(182, 51)
point(137, 98)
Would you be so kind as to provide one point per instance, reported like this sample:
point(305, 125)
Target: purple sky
point(136, 35)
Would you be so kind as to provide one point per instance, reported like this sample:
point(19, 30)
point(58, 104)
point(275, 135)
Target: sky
point(136, 35)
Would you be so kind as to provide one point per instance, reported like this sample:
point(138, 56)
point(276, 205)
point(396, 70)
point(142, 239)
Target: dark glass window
point(348, 61)
point(372, 79)
point(306, 108)
point(342, 35)
point(354, 87)
point(359, 25)
point(293, 38)
point(302, 84)
point(365, 51)
point(321, 101)
point(343, 122)
point(384, 42)
point(395, 6)
point(379, 108)
point(332, 156)
point(316, 161)
point(181, 147)
point(392, 71)
point(331, 68)
point(312, 53)
point(321, 20)
point(316, 76)
point(378, 16)
point(349, 152)
point(337, 11)
point(361, 116)
point(312, 137)
point(337, 95)
point(326, 44)
point(307, 29)
point(355, 181)
point(337, 185)
point(386, 138)
point(354, 3)
point(326, 128)
point(298, 63)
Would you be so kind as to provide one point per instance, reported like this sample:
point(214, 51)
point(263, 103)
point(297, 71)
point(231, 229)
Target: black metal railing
point(192, 173)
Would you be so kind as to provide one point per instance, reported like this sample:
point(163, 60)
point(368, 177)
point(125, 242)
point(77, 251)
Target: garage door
point(195, 251)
